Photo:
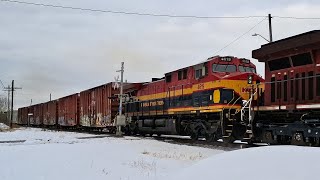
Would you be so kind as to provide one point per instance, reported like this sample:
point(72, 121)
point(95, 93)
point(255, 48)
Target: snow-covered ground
point(261, 163)
point(50, 155)
point(3, 127)
point(66, 155)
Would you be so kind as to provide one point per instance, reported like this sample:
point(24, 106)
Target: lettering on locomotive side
point(154, 103)
point(248, 90)
point(145, 104)
point(160, 103)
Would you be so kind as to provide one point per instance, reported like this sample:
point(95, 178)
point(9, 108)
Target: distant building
point(4, 119)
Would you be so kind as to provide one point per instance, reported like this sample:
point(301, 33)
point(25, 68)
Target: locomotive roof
point(199, 63)
point(308, 40)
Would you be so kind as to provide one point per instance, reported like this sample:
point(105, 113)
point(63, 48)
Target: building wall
point(3, 117)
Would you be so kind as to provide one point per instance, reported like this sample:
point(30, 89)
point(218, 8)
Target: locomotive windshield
point(223, 68)
point(247, 69)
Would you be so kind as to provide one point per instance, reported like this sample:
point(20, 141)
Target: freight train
point(92, 109)
point(220, 98)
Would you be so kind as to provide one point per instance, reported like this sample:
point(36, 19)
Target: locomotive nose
point(250, 77)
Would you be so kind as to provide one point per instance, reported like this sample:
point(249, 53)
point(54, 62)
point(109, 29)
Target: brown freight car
point(292, 68)
point(68, 115)
point(31, 117)
point(23, 116)
point(97, 107)
point(37, 118)
point(50, 116)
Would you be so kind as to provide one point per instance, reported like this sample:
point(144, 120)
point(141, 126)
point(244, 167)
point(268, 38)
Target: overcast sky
point(62, 51)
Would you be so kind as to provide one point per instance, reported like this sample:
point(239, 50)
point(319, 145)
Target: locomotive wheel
point(210, 137)
point(229, 139)
point(268, 136)
point(297, 139)
point(315, 142)
point(194, 136)
point(127, 132)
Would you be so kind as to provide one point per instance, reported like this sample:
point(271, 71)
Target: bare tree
point(3, 104)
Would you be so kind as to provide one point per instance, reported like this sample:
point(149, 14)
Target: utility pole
point(121, 88)
point(11, 89)
point(8, 114)
point(121, 120)
point(270, 27)
point(50, 96)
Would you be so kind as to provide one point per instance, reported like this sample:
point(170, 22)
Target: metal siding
point(68, 110)
point(50, 113)
point(97, 109)
point(37, 115)
point(45, 114)
point(23, 116)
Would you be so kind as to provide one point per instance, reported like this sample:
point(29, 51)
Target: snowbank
point(263, 163)
point(37, 136)
point(3, 127)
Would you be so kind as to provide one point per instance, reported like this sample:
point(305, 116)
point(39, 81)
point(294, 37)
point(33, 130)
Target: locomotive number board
point(245, 61)
point(227, 59)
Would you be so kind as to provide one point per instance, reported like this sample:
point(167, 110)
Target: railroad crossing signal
point(250, 78)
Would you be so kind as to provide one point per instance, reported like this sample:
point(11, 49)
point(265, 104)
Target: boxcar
point(50, 113)
point(291, 109)
point(23, 116)
point(37, 117)
point(68, 115)
point(97, 107)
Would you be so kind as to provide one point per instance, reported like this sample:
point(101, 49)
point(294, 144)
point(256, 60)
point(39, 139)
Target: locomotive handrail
point(248, 105)
point(234, 104)
point(231, 99)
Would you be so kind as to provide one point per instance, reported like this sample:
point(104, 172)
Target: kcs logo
point(248, 90)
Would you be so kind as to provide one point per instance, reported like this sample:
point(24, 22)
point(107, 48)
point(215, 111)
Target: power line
point(130, 13)
point(299, 18)
point(235, 40)
point(152, 14)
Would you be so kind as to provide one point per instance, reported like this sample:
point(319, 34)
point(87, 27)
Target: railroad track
point(202, 143)
point(181, 140)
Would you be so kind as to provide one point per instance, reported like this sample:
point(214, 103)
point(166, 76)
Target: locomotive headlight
point(250, 79)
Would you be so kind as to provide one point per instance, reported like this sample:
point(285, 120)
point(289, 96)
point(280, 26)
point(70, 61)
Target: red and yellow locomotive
point(200, 100)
